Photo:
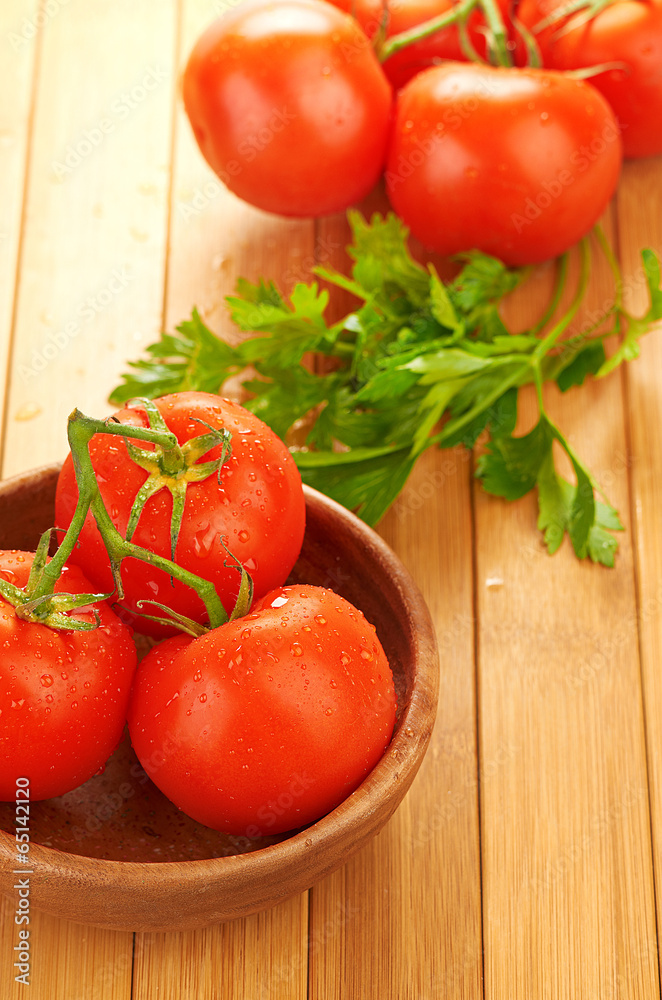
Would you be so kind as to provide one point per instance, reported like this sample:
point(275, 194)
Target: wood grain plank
point(640, 225)
point(214, 239)
point(567, 875)
point(94, 245)
point(263, 957)
point(91, 282)
point(403, 918)
point(68, 961)
point(20, 36)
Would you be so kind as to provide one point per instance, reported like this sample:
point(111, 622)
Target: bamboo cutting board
point(524, 862)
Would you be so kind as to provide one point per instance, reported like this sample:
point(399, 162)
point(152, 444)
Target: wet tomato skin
point(627, 36)
point(516, 163)
point(267, 723)
point(289, 106)
point(63, 694)
point(404, 15)
point(258, 508)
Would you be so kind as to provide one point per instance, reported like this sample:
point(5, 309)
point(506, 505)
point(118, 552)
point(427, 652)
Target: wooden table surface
point(525, 862)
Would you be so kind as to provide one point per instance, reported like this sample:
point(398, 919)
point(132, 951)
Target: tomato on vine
point(63, 693)
point(230, 485)
point(403, 15)
point(270, 721)
point(517, 163)
point(624, 35)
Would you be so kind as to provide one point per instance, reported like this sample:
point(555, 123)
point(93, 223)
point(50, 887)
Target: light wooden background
point(524, 862)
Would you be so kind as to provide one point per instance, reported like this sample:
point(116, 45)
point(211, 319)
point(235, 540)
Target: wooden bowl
point(115, 852)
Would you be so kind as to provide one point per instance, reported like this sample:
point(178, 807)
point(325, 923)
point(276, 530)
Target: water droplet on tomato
point(345, 659)
point(203, 698)
point(366, 655)
point(320, 619)
point(18, 704)
point(329, 711)
point(197, 676)
point(46, 680)
point(243, 535)
point(296, 649)
point(333, 683)
point(203, 541)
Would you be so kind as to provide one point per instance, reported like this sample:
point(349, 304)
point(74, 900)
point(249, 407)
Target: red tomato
point(628, 32)
point(516, 163)
point(63, 695)
point(258, 507)
point(269, 722)
point(289, 106)
point(406, 14)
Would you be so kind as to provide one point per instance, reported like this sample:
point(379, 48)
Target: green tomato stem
point(457, 15)
point(497, 33)
point(401, 41)
point(81, 430)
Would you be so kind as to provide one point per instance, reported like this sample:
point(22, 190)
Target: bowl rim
point(398, 765)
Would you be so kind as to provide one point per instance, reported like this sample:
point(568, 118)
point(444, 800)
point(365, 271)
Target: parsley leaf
point(419, 362)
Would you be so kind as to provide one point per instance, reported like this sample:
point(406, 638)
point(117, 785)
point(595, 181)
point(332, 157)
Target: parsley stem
point(453, 426)
point(548, 342)
point(559, 288)
point(614, 268)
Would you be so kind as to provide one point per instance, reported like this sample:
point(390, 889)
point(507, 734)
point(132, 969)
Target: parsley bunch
point(418, 363)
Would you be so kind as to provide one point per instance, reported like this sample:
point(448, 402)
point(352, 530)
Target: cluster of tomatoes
point(300, 108)
point(228, 721)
